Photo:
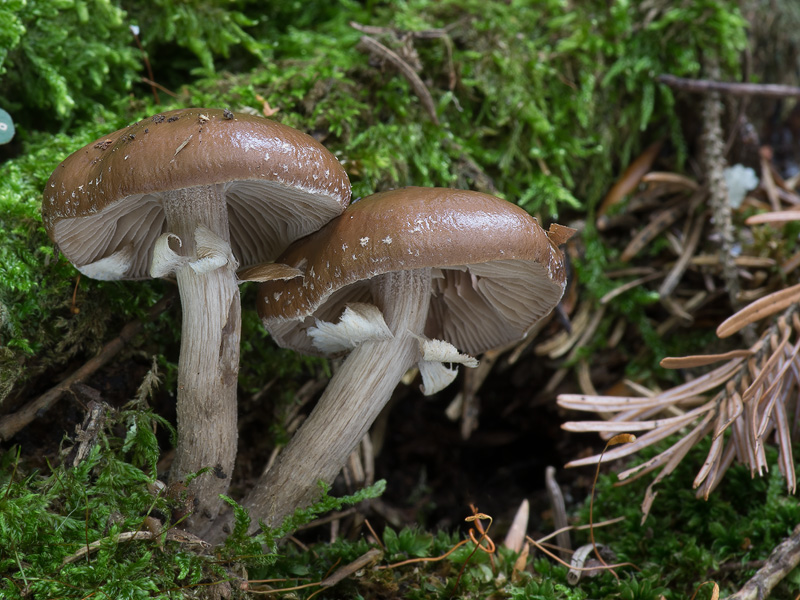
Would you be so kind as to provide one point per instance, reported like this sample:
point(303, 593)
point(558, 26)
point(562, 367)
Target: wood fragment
point(369, 557)
point(87, 433)
point(175, 535)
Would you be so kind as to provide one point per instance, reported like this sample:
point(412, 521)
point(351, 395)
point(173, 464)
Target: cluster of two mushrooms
point(402, 278)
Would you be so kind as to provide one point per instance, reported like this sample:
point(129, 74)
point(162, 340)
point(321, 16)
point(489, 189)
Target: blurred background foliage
point(540, 102)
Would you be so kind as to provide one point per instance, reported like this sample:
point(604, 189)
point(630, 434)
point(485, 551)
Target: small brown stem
point(147, 65)
point(373, 46)
point(155, 84)
point(489, 548)
point(74, 309)
point(622, 438)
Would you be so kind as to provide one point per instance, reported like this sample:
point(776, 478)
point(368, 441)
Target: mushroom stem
point(209, 359)
point(351, 402)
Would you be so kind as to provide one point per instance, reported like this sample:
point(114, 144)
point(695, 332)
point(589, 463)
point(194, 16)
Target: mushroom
point(414, 276)
point(195, 193)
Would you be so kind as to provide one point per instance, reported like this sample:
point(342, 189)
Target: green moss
point(62, 57)
point(44, 519)
point(36, 286)
point(207, 29)
point(685, 540)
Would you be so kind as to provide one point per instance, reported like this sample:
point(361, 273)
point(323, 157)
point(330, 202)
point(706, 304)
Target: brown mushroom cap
point(279, 184)
point(495, 270)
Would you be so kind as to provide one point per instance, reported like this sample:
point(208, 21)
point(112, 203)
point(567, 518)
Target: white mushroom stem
point(210, 333)
point(353, 399)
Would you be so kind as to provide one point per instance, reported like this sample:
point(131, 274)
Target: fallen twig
point(706, 86)
point(11, 424)
point(155, 84)
point(369, 557)
point(784, 558)
point(173, 535)
point(373, 46)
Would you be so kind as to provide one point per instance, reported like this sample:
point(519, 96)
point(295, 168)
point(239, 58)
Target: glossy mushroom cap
point(495, 271)
point(105, 199)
